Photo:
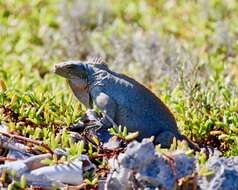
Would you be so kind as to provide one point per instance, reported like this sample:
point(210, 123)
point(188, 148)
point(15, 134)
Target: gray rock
point(112, 143)
point(69, 173)
point(184, 165)
point(18, 166)
point(225, 174)
point(141, 167)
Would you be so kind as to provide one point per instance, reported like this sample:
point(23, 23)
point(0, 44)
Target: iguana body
point(124, 100)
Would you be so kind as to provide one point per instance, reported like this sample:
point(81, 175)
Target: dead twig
point(3, 158)
point(171, 162)
point(25, 139)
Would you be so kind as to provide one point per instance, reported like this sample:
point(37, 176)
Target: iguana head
point(77, 76)
point(71, 70)
point(79, 70)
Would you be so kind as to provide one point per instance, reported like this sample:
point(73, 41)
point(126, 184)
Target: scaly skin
point(124, 100)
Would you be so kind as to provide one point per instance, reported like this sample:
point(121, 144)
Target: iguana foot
point(90, 118)
point(103, 135)
point(165, 139)
point(79, 127)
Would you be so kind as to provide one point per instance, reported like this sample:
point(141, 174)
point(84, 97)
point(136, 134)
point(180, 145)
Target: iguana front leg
point(106, 104)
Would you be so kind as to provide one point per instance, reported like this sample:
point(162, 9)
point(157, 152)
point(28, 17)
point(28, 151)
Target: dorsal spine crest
point(96, 60)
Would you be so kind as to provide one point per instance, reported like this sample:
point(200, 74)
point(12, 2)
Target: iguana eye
point(69, 67)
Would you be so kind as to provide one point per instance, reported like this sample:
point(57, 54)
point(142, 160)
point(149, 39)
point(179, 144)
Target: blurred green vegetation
point(185, 51)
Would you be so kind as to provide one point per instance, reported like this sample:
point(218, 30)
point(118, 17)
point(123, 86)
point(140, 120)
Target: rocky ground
point(140, 165)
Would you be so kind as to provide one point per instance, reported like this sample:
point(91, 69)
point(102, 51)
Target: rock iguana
point(123, 99)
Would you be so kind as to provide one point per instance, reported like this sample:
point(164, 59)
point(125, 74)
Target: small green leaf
point(132, 136)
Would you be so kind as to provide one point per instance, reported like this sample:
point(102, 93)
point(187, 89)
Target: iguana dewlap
point(124, 100)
